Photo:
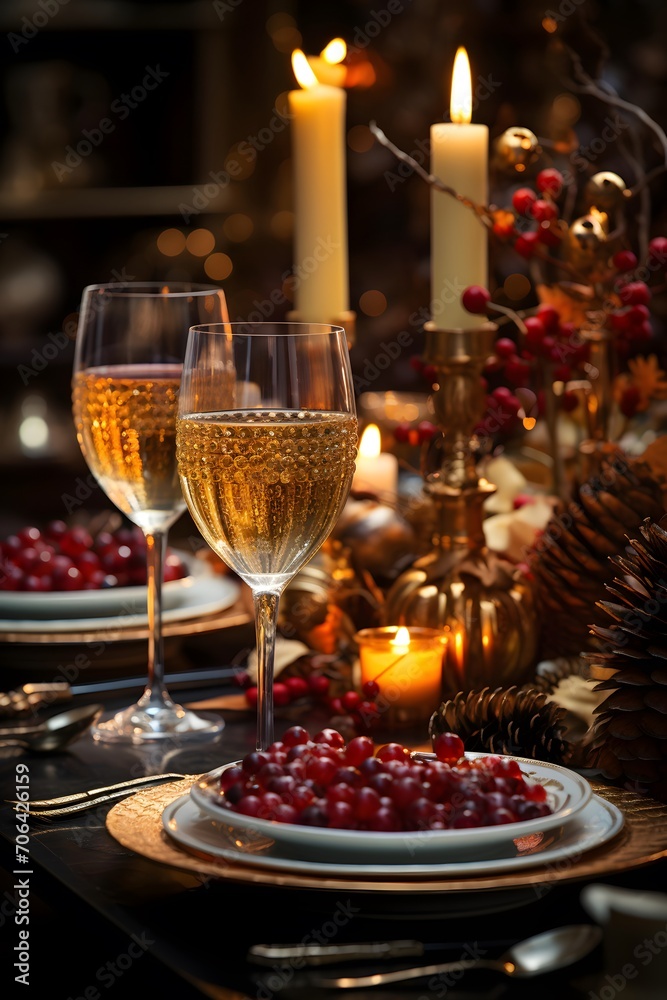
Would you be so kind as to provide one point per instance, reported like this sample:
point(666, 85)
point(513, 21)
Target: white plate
point(204, 592)
point(567, 794)
point(24, 606)
point(596, 824)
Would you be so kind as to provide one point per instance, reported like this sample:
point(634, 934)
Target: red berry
point(28, 536)
point(550, 181)
point(402, 432)
point(624, 260)
point(295, 736)
point(517, 371)
point(392, 751)
point(525, 244)
point(318, 685)
point(350, 700)
point(358, 750)
point(635, 293)
point(297, 687)
point(657, 250)
point(505, 348)
point(281, 694)
point(251, 696)
point(544, 211)
point(475, 299)
point(330, 738)
point(75, 541)
point(448, 747)
point(535, 332)
point(425, 431)
point(523, 199)
point(371, 689)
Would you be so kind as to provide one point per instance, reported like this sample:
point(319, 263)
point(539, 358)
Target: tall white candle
point(320, 197)
point(459, 242)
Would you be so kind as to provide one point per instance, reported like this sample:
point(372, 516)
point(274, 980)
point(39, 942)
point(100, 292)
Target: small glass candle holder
point(406, 664)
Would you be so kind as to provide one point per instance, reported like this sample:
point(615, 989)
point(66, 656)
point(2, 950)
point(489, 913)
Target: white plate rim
point(207, 592)
point(104, 599)
point(387, 844)
point(574, 839)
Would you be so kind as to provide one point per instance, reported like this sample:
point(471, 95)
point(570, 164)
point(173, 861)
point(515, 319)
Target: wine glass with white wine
point(130, 344)
point(266, 441)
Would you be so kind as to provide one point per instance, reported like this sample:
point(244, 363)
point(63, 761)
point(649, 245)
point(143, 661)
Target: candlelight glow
point(302, 70)
point(370, 444)
point(402, 637)
point(335, 51)
point(460, 107)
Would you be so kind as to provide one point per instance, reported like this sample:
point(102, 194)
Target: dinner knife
point(324, 954)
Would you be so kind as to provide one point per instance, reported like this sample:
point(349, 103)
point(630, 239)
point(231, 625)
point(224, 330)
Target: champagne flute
point(266, 441)
point(129, 352)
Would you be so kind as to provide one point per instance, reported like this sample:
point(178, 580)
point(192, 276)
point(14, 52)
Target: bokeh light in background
point(171, 242)
point(218, 266)
point(200, 242)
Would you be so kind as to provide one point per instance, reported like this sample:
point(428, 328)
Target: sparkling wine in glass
point(130, 344)
point(266, 441)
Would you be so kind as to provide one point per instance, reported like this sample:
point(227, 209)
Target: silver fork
point(78, 802)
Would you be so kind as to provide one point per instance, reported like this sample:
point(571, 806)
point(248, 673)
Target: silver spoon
point(546, 952)
point(53, 734)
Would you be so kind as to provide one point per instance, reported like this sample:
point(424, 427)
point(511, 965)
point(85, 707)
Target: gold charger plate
point(136, 823)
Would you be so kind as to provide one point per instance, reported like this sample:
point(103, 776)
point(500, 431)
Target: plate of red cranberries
point(62, 571)
point(320, 796)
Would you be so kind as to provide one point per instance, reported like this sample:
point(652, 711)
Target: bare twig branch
point(481, 210)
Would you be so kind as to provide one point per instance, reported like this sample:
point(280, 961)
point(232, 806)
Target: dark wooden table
point(103, 918)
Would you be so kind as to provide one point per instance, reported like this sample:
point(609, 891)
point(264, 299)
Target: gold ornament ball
point(605, 191)
point(586, 238)
point(516, 149)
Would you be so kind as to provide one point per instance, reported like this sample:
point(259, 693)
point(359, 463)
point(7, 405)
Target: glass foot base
point(145, 724)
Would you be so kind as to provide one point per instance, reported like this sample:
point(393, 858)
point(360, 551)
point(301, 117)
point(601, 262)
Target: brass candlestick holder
point(484, 602)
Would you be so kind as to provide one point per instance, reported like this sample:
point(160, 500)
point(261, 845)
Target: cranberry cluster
point(360, 711)
point(68, 558)
point(323, 781)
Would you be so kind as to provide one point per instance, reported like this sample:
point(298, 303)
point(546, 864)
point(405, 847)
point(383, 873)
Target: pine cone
point(523, 723)
point(571, 561)
point(628, 740)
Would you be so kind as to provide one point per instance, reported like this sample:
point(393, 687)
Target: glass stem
point(266, 618)
point(156, 692)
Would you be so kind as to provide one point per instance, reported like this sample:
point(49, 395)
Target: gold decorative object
point(605, 191)
point(516, 150)
point(598, 399)
point(628, 740)
point(484, 602)
point(586, 241)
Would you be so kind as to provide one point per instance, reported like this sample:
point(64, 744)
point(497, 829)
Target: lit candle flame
point(335, 51)
point(302, 70)
point(370, 445)
point(402, 638)
point(460, 106)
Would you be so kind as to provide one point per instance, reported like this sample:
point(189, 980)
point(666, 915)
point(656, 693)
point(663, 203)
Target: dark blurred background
point(149, 197)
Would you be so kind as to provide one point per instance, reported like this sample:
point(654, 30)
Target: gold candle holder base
point(483, 601)
point(346, 319)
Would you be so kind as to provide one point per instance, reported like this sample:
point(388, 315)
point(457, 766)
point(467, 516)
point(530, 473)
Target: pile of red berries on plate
point(322, 781)
point(66, 558)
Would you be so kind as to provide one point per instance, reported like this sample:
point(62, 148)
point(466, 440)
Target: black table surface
point(102, 917)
